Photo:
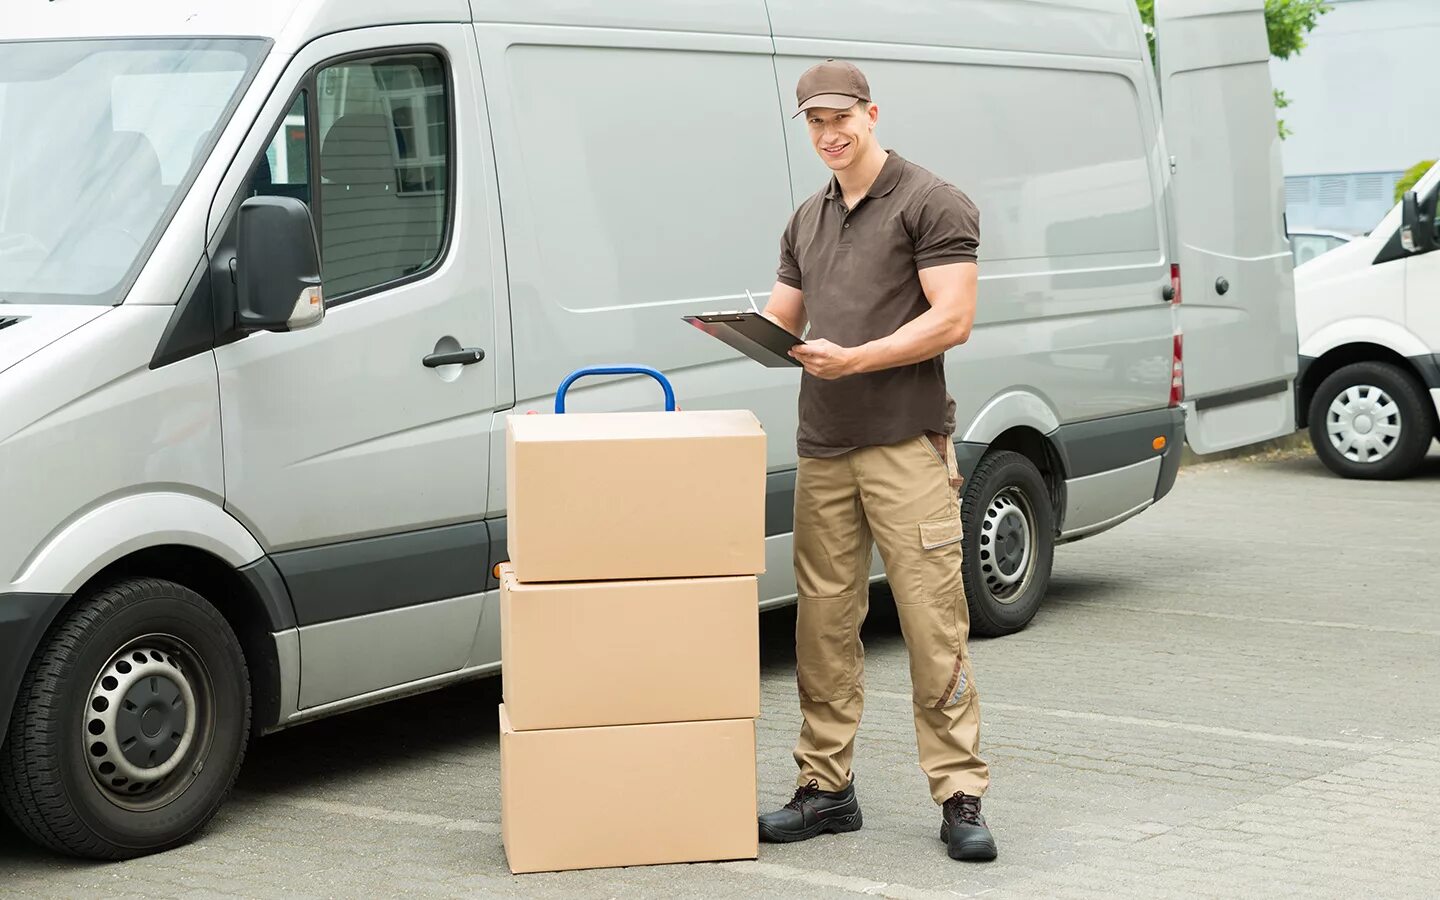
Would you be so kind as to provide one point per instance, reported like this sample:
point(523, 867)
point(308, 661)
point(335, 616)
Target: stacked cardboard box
point(630, 638)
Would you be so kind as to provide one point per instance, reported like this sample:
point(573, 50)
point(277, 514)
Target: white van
point(273, 275)
point(1368, 316)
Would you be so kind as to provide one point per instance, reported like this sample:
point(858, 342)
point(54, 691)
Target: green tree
point(1411, 176)
point(1287, 23)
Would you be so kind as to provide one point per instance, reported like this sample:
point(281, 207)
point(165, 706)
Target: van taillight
point(1177, 372)
point(1177, 358)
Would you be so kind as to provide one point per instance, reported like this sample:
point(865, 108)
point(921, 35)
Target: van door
point(1237, 309)
point(358, 458)
point(641, 162)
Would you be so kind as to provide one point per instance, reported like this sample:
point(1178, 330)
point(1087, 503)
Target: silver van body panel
point(100, 455)
point(1098, 502)
point(367, 653)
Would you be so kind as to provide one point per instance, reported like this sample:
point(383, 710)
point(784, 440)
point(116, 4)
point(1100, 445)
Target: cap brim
point(827, 101)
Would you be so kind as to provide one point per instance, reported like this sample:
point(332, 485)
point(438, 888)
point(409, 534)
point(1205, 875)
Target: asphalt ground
point(1233, 695)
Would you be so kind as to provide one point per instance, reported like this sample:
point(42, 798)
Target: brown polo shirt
point(859, 270)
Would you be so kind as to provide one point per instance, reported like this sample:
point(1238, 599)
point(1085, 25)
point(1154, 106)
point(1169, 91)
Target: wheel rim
point(1007, 545)
point(1364, 424)
point(148, 722)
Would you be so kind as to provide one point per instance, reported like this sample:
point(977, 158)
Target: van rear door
point(1237, 310)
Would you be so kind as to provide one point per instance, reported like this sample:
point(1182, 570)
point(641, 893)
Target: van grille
point(6, 322)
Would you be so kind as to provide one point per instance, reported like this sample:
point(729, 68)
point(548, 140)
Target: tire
point(129, 668)
point(1371, 420)
point(1004, 589)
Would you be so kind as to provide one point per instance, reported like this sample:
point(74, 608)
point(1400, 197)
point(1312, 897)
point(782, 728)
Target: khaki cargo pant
point(904, 498)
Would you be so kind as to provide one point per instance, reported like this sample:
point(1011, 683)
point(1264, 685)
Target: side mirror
point(1417, 231)
point(277, 266)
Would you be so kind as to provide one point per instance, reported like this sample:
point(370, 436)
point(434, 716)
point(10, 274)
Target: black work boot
point(811, 812)
point(964, 829)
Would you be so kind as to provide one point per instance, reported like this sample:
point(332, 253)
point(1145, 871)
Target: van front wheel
point(1009, 543)
point(130, 725)
point(1371, 420)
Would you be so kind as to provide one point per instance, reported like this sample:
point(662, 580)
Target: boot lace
point(804, 793)
point(964, 808)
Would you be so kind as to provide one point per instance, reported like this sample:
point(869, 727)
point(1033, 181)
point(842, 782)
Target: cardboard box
point(583, 798)
point(629, 652)
point(592, 497)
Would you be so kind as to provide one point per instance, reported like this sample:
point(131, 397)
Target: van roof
point(277, 19)
point(1082, 27)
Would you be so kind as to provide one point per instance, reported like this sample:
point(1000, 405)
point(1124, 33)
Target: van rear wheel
point(130, 726)
point(1009, 543)
point(1371, 420)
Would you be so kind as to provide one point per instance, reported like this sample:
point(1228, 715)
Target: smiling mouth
point(834, 151)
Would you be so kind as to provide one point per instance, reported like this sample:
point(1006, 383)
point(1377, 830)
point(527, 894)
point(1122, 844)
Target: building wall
point(1365, 106)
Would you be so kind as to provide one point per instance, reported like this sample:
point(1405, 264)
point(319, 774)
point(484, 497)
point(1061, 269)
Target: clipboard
point(752, 334)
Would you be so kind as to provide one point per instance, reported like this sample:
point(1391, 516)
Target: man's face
point(841, 136)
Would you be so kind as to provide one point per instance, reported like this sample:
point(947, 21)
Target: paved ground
point(1233, 695)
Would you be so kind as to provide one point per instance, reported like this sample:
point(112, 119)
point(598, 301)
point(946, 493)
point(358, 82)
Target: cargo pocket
point(939, 533)
point(930, 571)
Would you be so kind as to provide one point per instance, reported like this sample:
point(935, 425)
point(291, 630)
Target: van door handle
point(464, 357)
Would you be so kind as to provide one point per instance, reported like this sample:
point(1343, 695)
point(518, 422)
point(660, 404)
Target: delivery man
point(881, 263)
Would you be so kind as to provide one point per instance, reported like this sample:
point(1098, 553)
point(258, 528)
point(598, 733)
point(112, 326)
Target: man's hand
point(823, 359)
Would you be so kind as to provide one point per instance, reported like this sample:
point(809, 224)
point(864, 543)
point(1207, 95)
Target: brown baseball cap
point(831, 85)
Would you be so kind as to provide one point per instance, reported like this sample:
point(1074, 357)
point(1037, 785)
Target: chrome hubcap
point(1364, 423)
point(1007, 545)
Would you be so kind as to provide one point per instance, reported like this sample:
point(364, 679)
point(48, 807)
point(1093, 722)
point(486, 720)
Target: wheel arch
point(1041, 450)
point(95, 538)
point(1337, 358)
point(252, 600)
point(1010, 410)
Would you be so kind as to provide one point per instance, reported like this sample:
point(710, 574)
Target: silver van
point(272, 275)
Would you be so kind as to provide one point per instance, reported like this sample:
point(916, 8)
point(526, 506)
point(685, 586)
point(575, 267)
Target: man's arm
point(786, 308)
point(951, 291)
point(949, 288)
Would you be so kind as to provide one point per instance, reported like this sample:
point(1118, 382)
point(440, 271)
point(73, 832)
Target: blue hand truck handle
point(615, 370)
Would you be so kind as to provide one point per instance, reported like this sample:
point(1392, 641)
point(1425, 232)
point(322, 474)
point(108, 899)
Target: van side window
point(384, 169)
point(284, 169)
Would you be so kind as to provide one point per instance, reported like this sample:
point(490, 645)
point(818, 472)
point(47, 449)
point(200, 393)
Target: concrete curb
point(1299, 442)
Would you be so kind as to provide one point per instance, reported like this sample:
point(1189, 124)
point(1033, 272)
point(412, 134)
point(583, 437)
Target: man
point(882, 265)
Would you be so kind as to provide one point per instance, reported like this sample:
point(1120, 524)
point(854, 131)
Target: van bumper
point(24, 619)
point(1174, 449)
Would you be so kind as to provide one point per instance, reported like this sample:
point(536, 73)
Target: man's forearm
point(924, 337)
point(792, 327)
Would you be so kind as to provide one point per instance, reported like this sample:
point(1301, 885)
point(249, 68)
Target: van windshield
point(98, 141)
